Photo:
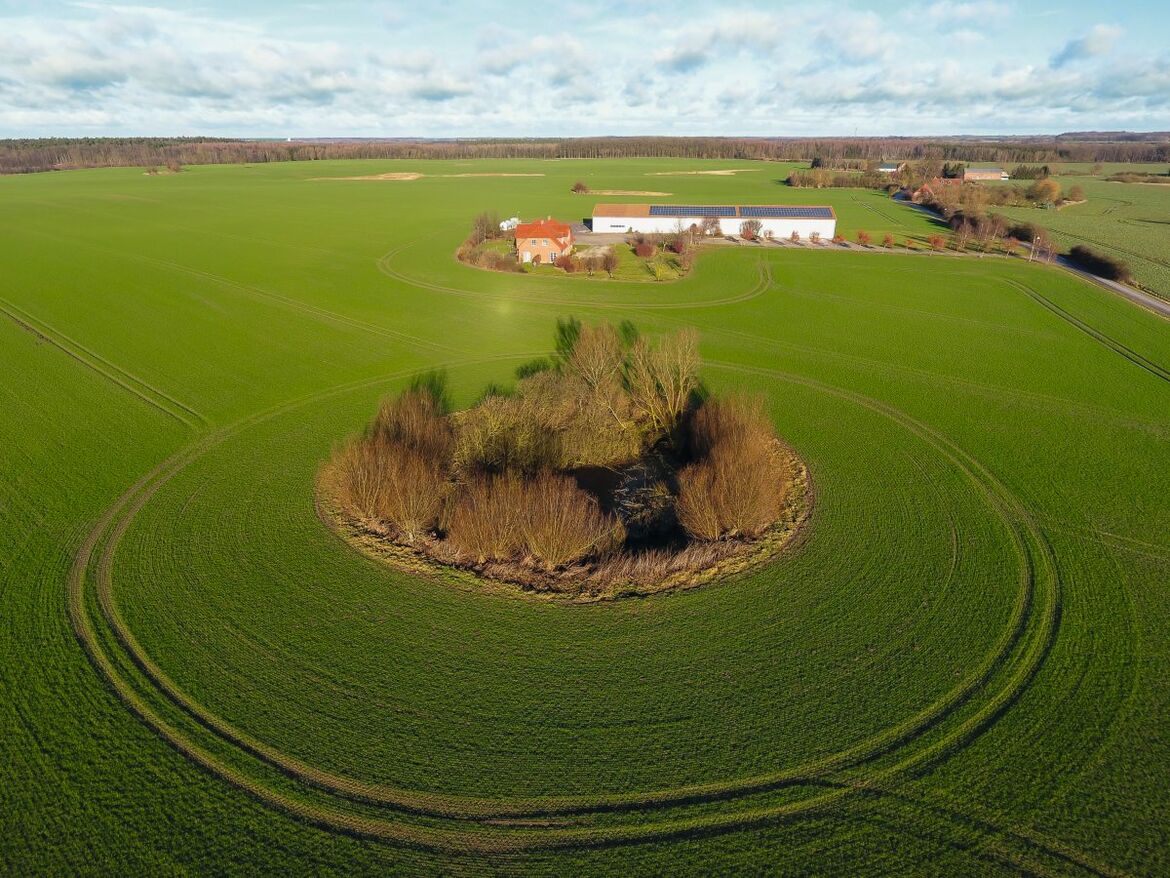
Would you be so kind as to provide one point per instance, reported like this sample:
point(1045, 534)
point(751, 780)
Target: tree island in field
point(607, 470)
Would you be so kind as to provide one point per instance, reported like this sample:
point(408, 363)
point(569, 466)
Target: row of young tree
point(29, 155)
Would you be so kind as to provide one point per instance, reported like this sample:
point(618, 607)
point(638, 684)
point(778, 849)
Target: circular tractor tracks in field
point(503, 825)
point(763, 282)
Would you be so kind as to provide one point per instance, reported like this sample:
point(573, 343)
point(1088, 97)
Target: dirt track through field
point(758, 289)
point(149, 394)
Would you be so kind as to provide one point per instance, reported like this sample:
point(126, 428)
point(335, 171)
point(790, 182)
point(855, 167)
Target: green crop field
point(1129, 221)
point(964, 668)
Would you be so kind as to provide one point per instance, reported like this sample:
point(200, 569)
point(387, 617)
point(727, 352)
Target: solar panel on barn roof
point(786, 212)
point(691, 210)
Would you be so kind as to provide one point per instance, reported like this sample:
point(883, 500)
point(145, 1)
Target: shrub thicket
point(823, 178)
point(562, 524)
point(738, 485)
point(389, 488)
point(1139, 178)
point(547, 519)
point(1030, 172)
point(484, 522)
point(604, 446)
point(394, 478)
point(485, 227)
point(417, 420)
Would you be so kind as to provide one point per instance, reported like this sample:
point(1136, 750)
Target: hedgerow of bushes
point(603, 464)
point(1099, 264)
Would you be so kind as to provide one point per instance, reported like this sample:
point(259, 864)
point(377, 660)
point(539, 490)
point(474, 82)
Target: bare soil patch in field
point(414, 175)
point(488, 175)
point(628, 192)
point(393, 175)
point(721, 172)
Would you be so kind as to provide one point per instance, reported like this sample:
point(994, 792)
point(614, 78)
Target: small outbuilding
point(509, 225)
point(543, 241)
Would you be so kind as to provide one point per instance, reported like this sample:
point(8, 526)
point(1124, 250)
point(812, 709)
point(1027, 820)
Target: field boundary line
point(304, 307)
point(146, 392)
point(288, 301)
point(1097, 335)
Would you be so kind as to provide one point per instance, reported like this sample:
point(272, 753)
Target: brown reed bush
point(737, 487)
point(415, 419)
point(736, 419)
point(596, 356)
point(484, 522)
point(389, 487)
point(354, 477)
point(563, 524)
point(656, 564)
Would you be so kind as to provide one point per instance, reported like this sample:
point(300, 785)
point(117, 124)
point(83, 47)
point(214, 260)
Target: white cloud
point(721, 38)
point(103, 69)
point(863, 39)
point(1098, 41)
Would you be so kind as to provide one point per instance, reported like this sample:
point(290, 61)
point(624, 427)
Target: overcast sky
point(280, 69)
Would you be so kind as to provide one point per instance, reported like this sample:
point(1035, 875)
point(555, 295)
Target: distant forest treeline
point(26, 156)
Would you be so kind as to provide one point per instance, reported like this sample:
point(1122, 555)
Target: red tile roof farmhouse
point(545, 228)
point(543, 241)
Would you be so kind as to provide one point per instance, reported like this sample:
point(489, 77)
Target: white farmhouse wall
point(779, 227)
point(783, 228)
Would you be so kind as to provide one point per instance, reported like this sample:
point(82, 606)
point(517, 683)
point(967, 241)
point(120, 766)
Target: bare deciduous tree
point(749, 229)
point(660, 379)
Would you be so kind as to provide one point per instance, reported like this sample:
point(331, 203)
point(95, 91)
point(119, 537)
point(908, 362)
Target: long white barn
point(778, 220)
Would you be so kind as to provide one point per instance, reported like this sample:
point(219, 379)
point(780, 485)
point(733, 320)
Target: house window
point(546, 242)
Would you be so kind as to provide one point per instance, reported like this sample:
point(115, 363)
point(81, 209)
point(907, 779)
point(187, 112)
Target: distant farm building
point(509, 225)
point(985, 174)
point(776, 220)
point(891, 167)
point(543, 241)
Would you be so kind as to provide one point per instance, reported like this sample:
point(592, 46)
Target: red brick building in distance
point(543, 241)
